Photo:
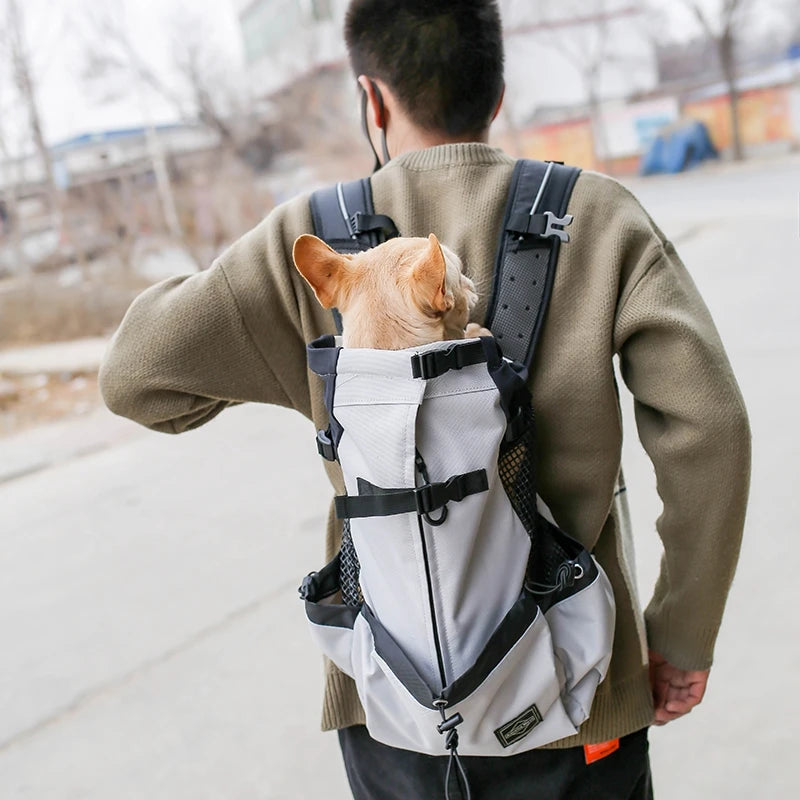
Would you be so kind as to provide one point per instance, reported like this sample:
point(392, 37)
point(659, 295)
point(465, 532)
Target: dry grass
point(42, 309)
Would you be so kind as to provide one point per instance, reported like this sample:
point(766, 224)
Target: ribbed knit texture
point(191, 346)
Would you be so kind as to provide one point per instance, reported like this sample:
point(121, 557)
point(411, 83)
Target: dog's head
point(404, 293)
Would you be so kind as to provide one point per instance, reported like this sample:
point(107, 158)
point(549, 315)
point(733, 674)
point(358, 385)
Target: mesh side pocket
point(349, 569)
point(516, 467)
point(517, 470)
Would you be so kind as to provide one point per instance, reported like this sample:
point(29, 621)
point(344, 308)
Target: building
point(287, 39)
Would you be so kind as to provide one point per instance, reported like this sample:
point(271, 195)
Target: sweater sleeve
point(692, 422)
point(193, 345)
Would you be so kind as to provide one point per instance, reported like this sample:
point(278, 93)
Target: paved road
point(152, 644)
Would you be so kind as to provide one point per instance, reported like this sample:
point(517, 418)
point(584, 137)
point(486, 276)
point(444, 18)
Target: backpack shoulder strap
point(527, 254)
point(344, 218)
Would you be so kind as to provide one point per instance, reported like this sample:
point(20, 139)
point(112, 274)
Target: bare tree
point(721, 22)
point(579, 30)
point(111, 55)
point(11, 225)
point(22, 72)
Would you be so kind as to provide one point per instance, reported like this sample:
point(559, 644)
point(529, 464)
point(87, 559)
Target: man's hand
point(675, 691)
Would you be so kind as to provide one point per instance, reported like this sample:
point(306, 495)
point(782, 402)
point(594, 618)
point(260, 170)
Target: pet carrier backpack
point(469, 621)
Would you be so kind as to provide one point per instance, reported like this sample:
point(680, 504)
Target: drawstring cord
point(448, 727)
point(566, 575)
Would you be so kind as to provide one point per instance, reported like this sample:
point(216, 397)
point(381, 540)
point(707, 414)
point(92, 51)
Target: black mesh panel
point(349, 569)
point(517, 469)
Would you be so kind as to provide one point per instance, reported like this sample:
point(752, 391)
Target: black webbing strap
point(533, 229)
point(374, 501)
point(344, 217)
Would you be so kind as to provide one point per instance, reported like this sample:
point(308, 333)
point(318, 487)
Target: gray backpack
point(470, 623)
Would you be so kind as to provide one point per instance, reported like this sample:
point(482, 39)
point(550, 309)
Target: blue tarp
point(678, 148)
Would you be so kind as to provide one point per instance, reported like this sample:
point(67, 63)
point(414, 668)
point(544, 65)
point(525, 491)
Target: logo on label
point(519, 727)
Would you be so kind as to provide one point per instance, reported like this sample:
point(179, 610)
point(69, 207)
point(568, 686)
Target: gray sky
point(57, 33)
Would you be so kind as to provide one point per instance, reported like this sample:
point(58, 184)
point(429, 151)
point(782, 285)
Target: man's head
point(441, 60)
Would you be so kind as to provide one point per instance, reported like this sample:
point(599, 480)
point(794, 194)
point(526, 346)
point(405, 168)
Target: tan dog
point(404, 293)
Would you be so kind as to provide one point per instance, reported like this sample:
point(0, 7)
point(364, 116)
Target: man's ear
point(321, 266)
point(376, 104)
point(429, 276)
point(499, 103)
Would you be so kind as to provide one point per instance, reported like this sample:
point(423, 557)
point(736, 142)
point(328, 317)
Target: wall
point(765, 115)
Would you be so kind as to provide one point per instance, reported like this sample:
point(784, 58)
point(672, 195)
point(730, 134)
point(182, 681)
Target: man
point(190, 347)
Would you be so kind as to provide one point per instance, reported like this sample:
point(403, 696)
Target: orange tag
point(594, 752)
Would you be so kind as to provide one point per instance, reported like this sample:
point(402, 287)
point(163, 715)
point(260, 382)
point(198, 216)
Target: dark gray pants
point(378, 772)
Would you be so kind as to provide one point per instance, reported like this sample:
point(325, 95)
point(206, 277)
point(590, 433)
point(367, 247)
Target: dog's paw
point(474, 331)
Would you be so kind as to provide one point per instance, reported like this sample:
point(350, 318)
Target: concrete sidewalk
point(59, 442)
point(153, 644)
point(56, 443)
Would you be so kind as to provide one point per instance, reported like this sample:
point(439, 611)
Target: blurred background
point(150, 642)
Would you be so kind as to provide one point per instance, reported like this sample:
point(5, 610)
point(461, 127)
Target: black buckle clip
point(361, 223)
point(358, 224)
point(429, 497)
point(325, 445)
point(436, 362)
point(308, 588)
point(432, 496)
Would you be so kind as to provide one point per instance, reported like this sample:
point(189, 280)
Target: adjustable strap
point(534, 226)
point(317, 586)
point(374, 501)
point(434, 363)
point(323, 356)
point(344, 217)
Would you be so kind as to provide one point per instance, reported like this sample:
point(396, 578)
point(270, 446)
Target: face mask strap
point(365, 128)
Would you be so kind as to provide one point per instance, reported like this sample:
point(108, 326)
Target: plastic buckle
point(454, 489)
point(436, 362)
point(431, 497)
point(308, 588)
point(355, 224)
point(325, 446)
point(551, 229)
point(423, 365)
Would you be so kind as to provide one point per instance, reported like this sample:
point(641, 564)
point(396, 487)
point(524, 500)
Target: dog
point(403, 293)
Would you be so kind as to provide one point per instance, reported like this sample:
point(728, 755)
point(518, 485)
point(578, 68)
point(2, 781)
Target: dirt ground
point(51, 308)
point(32, 400)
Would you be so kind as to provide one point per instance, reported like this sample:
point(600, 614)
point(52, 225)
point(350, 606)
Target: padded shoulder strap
point(344, 217)
point(527, 254)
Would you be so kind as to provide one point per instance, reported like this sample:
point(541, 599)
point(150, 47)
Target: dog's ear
point(321, 266)
point(429, 276)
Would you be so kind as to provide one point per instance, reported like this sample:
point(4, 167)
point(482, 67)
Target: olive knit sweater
point(191, 346)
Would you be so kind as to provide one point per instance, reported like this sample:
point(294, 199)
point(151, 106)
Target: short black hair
point(442, 60)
